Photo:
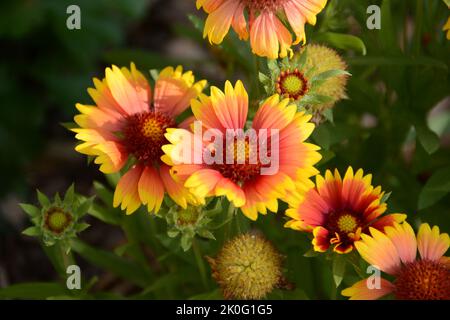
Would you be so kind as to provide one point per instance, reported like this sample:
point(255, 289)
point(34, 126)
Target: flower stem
point(200, 263)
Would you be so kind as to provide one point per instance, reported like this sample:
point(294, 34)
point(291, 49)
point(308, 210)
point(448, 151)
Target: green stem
point(200, 263)
point(231, 213)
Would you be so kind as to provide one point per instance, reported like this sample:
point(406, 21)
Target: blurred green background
point(395, 124)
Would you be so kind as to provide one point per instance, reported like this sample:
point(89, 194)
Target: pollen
point(347, 223)
point(292, 84)
point(423, 280)
point(143, 135)
point(245, 165)
point(57, 220)
point(260, 5)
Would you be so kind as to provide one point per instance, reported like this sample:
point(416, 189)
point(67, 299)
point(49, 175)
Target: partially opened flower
point(394, 252)
point(58, 220)
point(252, 178)
point(337, 211)
point(129, 121)
point(269, 22)
point(314, 79)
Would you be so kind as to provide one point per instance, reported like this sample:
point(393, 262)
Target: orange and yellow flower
point(129, 120)
point(267, 19)
point(243, 183)
point(337, 211)
point(394, 252)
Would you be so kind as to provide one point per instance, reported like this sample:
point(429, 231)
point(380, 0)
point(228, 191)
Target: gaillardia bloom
point(337, 211)
point(247, 267)
point(314, 79)
point(245, 183)
point(129, 121)
point(394, 252)
point(267, 22)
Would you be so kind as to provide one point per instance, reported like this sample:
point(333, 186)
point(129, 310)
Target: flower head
point(338, 211)
point(247, 267)
point(57, 220)
point(242, 172)
point(266, 23)
point(394, 252)
point(314, 79)
point(190, 222)
point(129, 121)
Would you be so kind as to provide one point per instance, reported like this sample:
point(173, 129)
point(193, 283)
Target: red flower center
point(144, 135)
point(423, 280)
point(245, 166)
point(344, 227)
point(259, 5)
point(292, 84)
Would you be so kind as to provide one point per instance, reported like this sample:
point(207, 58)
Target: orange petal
point(175, 89)
point(404, 239)
point(431, 243)
point(151, 189)
point(126, 193)
point(362, 291)
point(132, 99)
point(230, 107)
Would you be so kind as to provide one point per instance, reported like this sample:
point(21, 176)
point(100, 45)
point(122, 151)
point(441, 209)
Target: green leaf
point(343, 41)
point(328, 114)
point(109, 261)
point(105, 215)
point(31, 210)
point(42, 198)
point(386, 197)
point(70, 195)
point(428, 139)
point(263, 78)
point(435, 189)
point(82, 226)
point(206, 234)
point(173, 233)
point(104, 193)
point(33, 290)
point(31, 231)
point(197, 22)
point(314, 99)
point(339, 264)
point(154, 73)
point(85, 206)
point(329, 74)
point(186, 241)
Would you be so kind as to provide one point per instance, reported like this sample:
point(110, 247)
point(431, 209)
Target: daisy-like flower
point(267, 22)
point(129, 121)
point(394, 252)
point(244, 183)
point(337, 211)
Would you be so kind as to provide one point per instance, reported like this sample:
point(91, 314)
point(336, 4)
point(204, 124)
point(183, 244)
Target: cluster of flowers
point(134, 128)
